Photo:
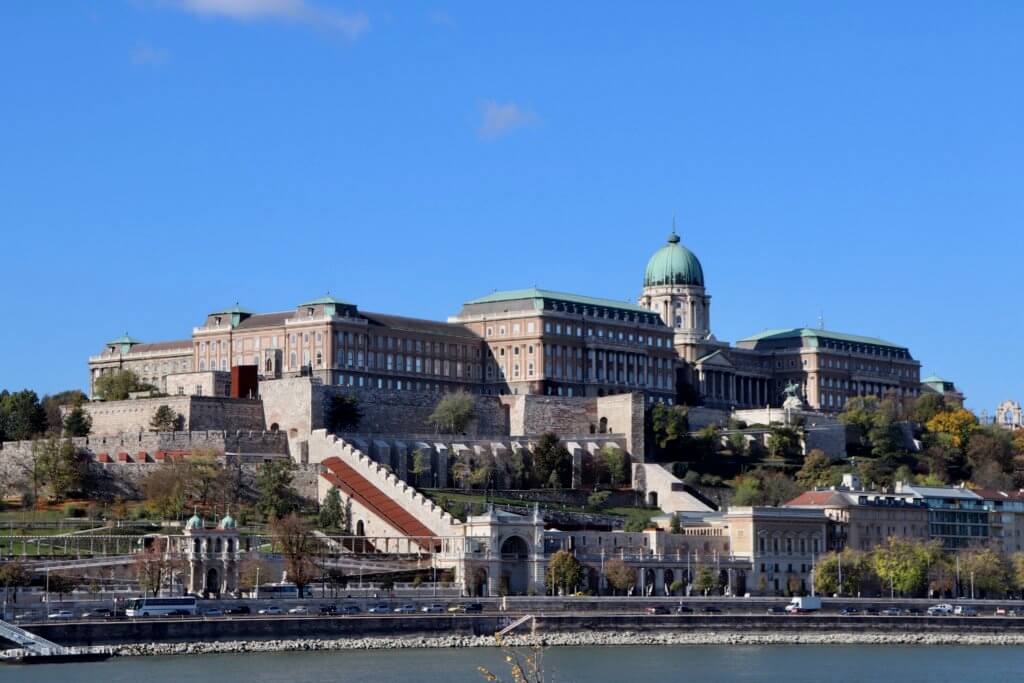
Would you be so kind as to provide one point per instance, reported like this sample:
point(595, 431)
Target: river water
point(703, 663)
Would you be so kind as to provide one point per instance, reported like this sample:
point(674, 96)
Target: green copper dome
point(673, 264)
point(228, 522)
point(194, 522)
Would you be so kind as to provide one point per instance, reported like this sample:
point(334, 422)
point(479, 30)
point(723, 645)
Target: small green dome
point(228, 522)
point(673, 264)
point(194, 522)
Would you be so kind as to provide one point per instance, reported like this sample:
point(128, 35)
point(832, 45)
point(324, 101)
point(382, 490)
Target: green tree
point(165, 419)
point(117, 385)
point(1017, 563)
point(856, 572)
point(990, 449)
point(616, 463)
point(54, 406)
point(206, 480)
point(816, 470)
point(676, 525)
point(706, 580)
point(551, 462)
point(343, 414)
point(453, 413)
point(926, 406)
point(902, 564)
point(21, 415)
point(764, 487)
point(274, 484)
point(164, 490)
point(332, 512)
point(669, 425)
point(564, 573)
point(14, 575)
point(783, 442)
point(987, 570)
point(59, 467)
point(62, 584)
point(420, 466)
point(597, 500)
point(77, 422)
point(298, 548)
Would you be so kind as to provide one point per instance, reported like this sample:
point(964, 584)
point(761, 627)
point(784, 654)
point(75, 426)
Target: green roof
point(673, 264)
point(125, 339)
point(236, 309)
point(326, 299)
point(935, 379)
point(535, 293)
point(807, 332)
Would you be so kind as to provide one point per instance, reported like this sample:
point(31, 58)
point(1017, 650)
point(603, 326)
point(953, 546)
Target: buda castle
point(530, 341)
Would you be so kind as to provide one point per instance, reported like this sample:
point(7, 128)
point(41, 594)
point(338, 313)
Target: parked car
point(776, 609)
point(328, 609)
point(435, 608)
point(238, 610)
point(473, 607)
point(271, 611)
point(60, 614)
point(849, 611)
point(405, 609)
point(379, 608)
point(892, 612)
point(965, 611)
point(214, 612)
point(101, 613)
point(656, 609)
point(301, 609)
point(942, 609)
point(348, 609)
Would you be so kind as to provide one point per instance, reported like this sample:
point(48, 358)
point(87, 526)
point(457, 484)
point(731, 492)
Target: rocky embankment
point(580, 639)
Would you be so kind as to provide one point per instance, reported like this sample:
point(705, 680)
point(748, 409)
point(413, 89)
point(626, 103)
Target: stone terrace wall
point(198, 413)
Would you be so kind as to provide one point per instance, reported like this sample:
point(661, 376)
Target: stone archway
point(670, 578)
point(515, 553)
point(360, 528)
point(650, 579)
point(213, 581)
point(741, 582)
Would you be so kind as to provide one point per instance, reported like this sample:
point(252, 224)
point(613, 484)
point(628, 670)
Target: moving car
point(348, 609)
point(328, 609)
point(406, 609)
point(435, 608)
point(214, 612)
point(965, 611)
point(299, 610)
point(776, 609)
point(473, 607)
point(849, 611)
point(100, 613)
point(379, 608)
point(656, 609)
point(238, 610)
point(272, 610)
point(892, 612)
point(683, 609)
point(940, 610)
point(60, 614)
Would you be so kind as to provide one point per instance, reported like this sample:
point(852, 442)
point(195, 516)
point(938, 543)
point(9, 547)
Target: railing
point(30, 641)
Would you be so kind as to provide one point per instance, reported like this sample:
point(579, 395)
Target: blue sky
point(162, 158)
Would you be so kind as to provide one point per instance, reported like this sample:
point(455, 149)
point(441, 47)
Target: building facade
point(534, 341)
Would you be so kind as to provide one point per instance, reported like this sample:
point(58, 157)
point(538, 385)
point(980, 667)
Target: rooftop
point(811, 333)
point(536, 293)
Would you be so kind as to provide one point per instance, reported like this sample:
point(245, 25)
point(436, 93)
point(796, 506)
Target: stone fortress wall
point(198, 413)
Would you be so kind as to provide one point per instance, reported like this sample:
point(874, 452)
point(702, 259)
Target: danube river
point(788, 663)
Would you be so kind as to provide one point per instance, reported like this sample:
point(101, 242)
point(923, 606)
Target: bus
point(161, 607)
point(280, 590)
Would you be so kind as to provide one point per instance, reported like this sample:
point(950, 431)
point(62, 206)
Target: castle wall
point(197, 413)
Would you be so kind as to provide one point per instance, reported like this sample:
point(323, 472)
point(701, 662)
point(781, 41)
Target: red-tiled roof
point(819, 499)
point(346, 479)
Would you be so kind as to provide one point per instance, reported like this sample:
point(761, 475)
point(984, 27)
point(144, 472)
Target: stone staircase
point(377, 491)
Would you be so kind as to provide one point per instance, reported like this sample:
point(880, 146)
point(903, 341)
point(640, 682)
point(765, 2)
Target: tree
point(816, 470)
point(957, 424)
point(990, 450)
point(298, 549)
point(154, 566)
point(783, 442)
point(616, 462)
point(619, 575)
point(669, 425)
point(14, 575)
point(332, 512)
point(164, 489)
point(118, 385)
point(1017, 561)
point(420, 466)
point(764, 487)
point(551, 462)
point(62, 584)
point(927, 406)
point(676, 525)
point(78, 422)
point(343, 414)
point(706, 580)
point(21, 416)
point(986, 571)
point(206, 480)
point(453, 413)
point(254, 571)
point(59, 466)
point(54, 406)
point(902, 564)
point(274, 484)
point(597, 500)
point(856, 570)
point(165, 419)
point(564, 572)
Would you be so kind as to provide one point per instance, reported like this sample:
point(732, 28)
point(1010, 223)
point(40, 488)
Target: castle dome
point(673, 264)
point(228, 522)
point(194, 522)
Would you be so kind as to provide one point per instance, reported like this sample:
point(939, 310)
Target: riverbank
point(572, 639)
